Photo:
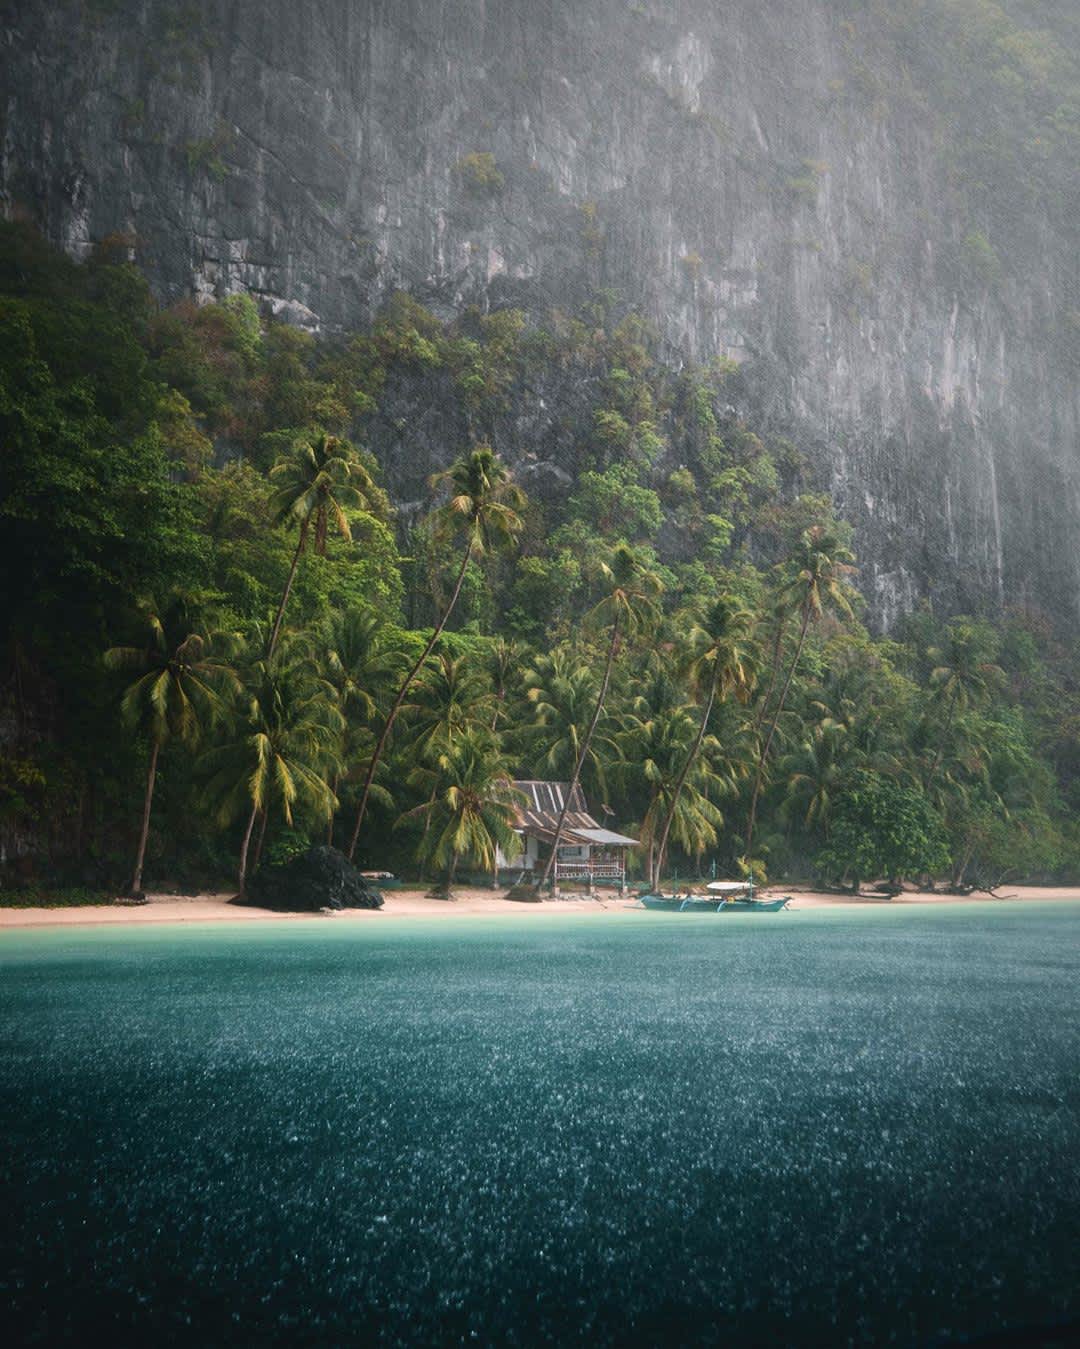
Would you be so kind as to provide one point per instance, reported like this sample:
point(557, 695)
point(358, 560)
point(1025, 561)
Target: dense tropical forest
point(222, 642)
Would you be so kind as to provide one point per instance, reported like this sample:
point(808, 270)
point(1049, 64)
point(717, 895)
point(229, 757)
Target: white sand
point(208, 908)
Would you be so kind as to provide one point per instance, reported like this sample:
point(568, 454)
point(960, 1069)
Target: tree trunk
point(583, 751)
point(259, 840)
point(695, 749)
point(244, 848)
point(288, 589)
point(396, 708)
point(774, 671)
point(941, 745)
point(81, 817)
point(333, 814)
point(769, 738)
point(144, 833)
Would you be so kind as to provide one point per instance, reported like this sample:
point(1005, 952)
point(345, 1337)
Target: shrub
point(479, 174)
point(882, 829)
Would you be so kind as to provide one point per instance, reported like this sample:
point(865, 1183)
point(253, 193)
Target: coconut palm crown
point(178, 691)
point(315, 484)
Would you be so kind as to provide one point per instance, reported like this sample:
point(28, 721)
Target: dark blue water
point(827, 1127)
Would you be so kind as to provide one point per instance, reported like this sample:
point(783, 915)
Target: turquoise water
point(819, 1127)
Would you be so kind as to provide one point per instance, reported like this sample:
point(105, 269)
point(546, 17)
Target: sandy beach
point(467, 903)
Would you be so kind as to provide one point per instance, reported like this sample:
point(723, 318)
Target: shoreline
point(468, 903)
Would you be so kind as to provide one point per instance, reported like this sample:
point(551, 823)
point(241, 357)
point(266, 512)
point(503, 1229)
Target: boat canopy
point(727, 887)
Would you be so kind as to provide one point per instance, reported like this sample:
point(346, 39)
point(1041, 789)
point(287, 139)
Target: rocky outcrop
point(764, 181)
point(322, 878)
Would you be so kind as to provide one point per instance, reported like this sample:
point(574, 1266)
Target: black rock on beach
point(322, 878)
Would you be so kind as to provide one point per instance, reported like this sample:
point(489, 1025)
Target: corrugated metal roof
point(539, 815)
point(546, 798)
point(607, 836)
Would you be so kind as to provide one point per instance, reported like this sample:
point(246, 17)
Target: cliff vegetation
point(212, 609)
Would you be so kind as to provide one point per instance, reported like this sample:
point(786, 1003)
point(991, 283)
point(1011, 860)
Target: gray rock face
point(720, 163)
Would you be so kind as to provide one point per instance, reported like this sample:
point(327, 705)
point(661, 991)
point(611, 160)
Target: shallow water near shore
point(818, 1127)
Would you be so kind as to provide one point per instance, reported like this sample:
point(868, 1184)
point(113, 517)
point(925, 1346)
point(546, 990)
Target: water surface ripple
point(820, 1127)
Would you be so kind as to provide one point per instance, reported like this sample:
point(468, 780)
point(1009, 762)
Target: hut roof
point(538, 814)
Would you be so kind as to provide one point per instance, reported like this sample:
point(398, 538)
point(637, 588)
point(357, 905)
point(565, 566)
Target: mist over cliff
point(870, 206)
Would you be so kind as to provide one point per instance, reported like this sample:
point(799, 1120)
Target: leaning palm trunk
point(242, 878)
point(261, 838)
point(773, 672)
point(669, 819)
point(144, 833)
point(287, 591)
point(583, 751)
point(762, 760)
point(388, 726)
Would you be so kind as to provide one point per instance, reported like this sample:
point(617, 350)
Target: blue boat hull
point(668, 903)
point(753, 905)
point(701, 904)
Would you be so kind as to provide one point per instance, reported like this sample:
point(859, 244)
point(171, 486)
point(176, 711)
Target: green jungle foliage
point(219, 643)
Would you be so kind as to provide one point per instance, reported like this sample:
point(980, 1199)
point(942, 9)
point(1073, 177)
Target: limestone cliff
point(783, 183)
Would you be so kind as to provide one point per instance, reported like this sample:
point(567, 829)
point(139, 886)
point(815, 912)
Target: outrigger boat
point(738, 897)
point(723, 897)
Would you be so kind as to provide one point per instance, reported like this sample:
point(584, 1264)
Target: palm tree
point(722, 661)
point(821, 563)
point(450, 698)
point(872, 703)
point(781, 613)
point(561, 691)
point(471, 810)
point(504, 664)
point(316, 481)
point(656, 743)
point(284, 748)
point(964, 674)
point(628, 607)
point(358, 662)
point(357, 658)
point(177, 694)
point(359, 748)
point(484, 504)
point(817, 771)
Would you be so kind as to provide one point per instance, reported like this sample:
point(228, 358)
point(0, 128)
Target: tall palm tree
point(964, 674)
point(450, 698)
point(628, 607)
point(359, 748)
point(359, 662)
point(816, 772)
point(284, 749)
point(505, 662)
point(471, 809)
point(656, 742)
point(722, 661)
point(178, 692)
point(485, 505)
point(315, 483)
point(821, 564)
point(358, 658)
point(561, 691)
point(781, 613)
